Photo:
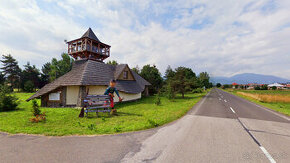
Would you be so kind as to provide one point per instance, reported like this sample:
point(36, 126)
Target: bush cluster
point(7, 100)
point(197, 90)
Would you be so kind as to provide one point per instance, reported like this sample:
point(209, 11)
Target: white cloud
point(227, 38)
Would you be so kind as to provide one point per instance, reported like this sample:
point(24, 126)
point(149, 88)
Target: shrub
point(158, 100)
point(153, 123)
point(117, 129)
point(35, 108)
point(218, 85)
point(257, 88)
point(169, 92)
point(274, 87)
point(37, 113)
point(197, 90)
point(28, 86)
point(7, 100)
point(264, 87)
point(38, 118)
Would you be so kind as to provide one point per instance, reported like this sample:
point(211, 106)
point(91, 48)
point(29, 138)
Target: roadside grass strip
point(131, 116)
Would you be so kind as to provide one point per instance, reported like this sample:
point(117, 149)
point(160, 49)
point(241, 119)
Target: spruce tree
point(11, 70)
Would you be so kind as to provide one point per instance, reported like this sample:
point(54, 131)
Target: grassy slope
point(279, 107)
point(142, 114)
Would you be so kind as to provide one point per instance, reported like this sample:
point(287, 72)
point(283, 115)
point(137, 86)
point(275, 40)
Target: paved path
point(220, 128)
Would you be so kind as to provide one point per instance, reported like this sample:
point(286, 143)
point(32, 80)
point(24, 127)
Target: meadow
point(278, 100)
point(132, 116)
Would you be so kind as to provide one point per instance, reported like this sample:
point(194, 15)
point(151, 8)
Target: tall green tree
point(44, 76)
point(60, 67)
point(11, 70)
point(218, 85)
point(203, 79)
point(8, 101)
point(136, 69)
point(112, 62)
point(152, 75)
point(2, 78)
point(184, 80)
point(169, 73)
point(30, 75)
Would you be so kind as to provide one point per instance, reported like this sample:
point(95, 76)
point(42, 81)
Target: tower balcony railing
point(94, 49)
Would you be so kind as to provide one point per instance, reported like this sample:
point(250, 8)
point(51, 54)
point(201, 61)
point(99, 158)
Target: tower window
point(125, 75)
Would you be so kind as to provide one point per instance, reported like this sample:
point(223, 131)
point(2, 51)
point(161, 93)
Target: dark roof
point(90, 34)
point(118, 70)
point(90, 72)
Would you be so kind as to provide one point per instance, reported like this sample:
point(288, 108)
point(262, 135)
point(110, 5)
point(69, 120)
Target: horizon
point(252, 74)
point(221, 38)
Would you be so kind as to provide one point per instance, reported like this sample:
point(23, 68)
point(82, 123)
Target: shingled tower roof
point(88, 47)
point(90, 34)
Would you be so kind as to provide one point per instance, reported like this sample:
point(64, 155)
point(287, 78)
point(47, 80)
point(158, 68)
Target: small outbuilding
point(90, 75)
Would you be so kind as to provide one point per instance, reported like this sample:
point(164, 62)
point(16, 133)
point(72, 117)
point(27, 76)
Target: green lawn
point(132, 116)
point(277, 106)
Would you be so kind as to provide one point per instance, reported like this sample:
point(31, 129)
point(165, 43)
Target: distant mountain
point(249, 78)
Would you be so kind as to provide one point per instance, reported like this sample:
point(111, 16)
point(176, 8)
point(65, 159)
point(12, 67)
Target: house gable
point(125, 74)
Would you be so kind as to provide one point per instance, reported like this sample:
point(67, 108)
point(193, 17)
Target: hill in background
point(246, 78)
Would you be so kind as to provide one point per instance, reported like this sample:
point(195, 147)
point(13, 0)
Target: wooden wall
point(45, 102)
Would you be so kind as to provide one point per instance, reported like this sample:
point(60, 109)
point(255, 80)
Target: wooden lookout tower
point(88, 46)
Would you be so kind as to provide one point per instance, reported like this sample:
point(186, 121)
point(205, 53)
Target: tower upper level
point(88, 46)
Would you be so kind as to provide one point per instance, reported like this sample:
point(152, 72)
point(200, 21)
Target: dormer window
point(125, 75)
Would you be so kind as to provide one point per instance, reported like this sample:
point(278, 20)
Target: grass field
point(132, 116)
point(278, 100)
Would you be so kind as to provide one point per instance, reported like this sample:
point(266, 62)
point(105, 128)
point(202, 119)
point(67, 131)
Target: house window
point(54, 96)
point(125, 75)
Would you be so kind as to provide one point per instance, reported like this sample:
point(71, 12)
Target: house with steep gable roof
point(90, 75)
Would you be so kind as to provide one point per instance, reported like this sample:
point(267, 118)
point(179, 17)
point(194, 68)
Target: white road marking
point(220, 99)
point(267, 155)
point(225, 100)
point(232, 109)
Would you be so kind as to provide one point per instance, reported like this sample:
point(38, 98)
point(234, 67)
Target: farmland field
point(278, 100)
point(132, 116)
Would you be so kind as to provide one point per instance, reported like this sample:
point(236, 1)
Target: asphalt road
point(220, 128)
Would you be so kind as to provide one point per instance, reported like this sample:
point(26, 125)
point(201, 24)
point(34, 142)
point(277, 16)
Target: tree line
point(30, 78)
point(180, 80)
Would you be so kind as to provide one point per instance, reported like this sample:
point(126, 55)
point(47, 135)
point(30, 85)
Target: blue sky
point(223, 37)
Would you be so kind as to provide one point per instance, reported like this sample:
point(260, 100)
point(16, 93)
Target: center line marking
point(232, 109)
point(267, 154)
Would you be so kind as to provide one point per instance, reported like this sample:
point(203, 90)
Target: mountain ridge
point(246, 78)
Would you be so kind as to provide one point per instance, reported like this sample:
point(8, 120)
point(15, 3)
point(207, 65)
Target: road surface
point(220, 128)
